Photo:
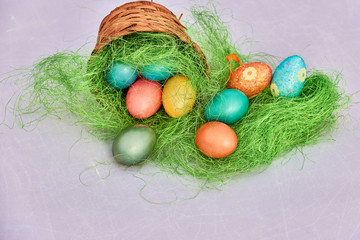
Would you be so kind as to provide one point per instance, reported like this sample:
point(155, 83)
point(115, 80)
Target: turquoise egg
point(227, 106)
point(134, 144)
point(159, 71)
point(120, 75)
point(289, 77)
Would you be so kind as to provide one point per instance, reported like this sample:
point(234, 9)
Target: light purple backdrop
point(41, 196)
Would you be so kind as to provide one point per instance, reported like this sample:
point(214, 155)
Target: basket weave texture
point(141, 16)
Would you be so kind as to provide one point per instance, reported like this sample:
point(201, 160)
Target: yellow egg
point(178, 96)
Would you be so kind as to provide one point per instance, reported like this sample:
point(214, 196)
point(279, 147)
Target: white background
point(41, 196)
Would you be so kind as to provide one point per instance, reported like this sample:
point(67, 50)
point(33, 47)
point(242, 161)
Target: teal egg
point(134, 144)
point(158, 71)
point(120, 75)
point(227, 106)
point(289, 77)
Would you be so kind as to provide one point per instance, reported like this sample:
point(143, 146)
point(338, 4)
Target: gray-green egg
point(134, 144)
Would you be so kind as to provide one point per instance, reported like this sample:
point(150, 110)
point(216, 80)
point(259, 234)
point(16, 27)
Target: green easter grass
point(71, 82)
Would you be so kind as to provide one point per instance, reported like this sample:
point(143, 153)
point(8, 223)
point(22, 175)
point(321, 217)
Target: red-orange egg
point(216, 139)
point(250, 78)
point(143, 98)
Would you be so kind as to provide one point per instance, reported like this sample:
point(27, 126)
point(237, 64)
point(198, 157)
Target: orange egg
point(143, 98)
point(178, 96)
point(250, 78)
point(216, 139)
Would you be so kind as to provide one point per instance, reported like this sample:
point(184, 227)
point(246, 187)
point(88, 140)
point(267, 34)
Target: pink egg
point(143, 98)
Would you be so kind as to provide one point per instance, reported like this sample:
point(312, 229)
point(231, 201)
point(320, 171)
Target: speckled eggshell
point(289, 77)
point(250, 78)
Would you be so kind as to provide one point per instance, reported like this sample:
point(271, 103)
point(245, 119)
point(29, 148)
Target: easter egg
point(289, 77)
point(143, 98)
point(159, 71)
point(134, 144)
point(227, 106)
point(250, 78)
point(120, 75)
point(216, 139)
point(178, 96)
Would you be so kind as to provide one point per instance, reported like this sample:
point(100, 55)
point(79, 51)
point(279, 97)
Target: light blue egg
point(120, 75)
point(289, 77)
point(159, 71)
point(227, 106)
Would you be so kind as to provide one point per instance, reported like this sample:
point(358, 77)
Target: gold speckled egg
point(250, 78)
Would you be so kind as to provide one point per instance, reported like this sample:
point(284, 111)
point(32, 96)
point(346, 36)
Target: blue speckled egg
point(227, 106)
point(158, 71)
point(289, 77)
point(120, 75)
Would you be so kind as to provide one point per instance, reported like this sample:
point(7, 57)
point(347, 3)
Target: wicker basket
point(142, 16)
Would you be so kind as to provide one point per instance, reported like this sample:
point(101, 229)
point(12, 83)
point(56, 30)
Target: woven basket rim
point(142, 16)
